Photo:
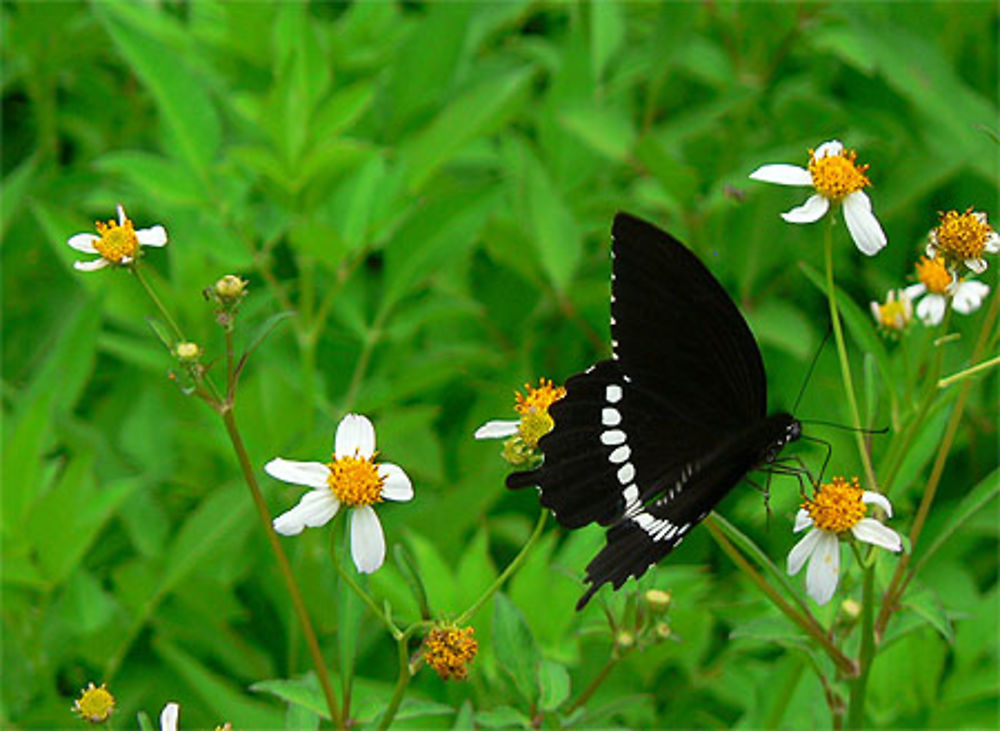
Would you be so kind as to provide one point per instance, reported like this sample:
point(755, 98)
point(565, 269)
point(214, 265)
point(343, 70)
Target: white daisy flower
point(964, 238)
point(937, 285)
point(118, 243)
point(837, 178)
point(839, 507)
point(353, 479)
point(522, 435)
point(895, 314)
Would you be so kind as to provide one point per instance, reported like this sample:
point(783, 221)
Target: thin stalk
point(366, 598)
point(985, 365)
point(859, 685)
point(845, 364)
point(309, 633)
point(513, 566)
point(596, 682)
point(151, 293)
point(403, 651)
point(806, 622)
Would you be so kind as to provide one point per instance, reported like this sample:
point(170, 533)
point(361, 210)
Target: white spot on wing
point(620, 454)
point(613, 393)
point(626, 473)
point(611, 437)
point(611, 416)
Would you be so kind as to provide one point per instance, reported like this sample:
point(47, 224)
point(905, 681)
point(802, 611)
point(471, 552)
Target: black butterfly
point(651, 440)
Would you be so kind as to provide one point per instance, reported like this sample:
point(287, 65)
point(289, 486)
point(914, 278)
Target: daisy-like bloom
point(838, 509)
point(895, 314)
point(354, 479)
point(523, 434)
point(168, 717)
point(449, 650)
point(964, 238)
point(95, 704)
point(836, 177)
point(119, 243)
point(937, 285)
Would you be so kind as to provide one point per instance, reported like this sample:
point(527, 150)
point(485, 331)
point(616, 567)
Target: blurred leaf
point(515, 647)
point(783, 326)
point(925, 603)
point(551, 225)
point(607, 33)
point(554, 684)
point(606, 131)
point(303, 692)
point(502, 717)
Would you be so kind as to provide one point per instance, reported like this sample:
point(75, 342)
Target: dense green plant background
point(431, 186)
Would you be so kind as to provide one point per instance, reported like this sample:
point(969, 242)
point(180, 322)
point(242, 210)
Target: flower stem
point(859, 685)
point(985, 365)
point(151, 293)
point(293, 588)
point(845, 364)
point(366, 598)
point(805, 621)
point(507, 572)
point(596, 682)
point(403, 650)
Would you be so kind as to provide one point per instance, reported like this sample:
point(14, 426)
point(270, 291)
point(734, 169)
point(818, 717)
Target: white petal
point(873, 498)
point(833, 147)
point(969, 295)
point(861, 222)
point(90, 266)
point(931, 309)
point(802, 550)
point(812, 210)
point(876, 312)
point(355, 437)
point(168, 718)
point(992, 243)
point(121, 215)
point(155, 236)
point(310, 474)
point(84, 243)
point(915, 290)
point(497, 429)
point(871, 531)
point(977, 266)
point(397, 485)
point(802, 520)
point(316, 508)
point(824, 568)
point(782, 175)
point(367, 540)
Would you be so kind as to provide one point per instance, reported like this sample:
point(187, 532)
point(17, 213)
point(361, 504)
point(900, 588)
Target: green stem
point(845, 365)
point(859, 685)
point(806, 622)
point(151, 293)
point(293, 588)
point(596, 682)
point(513, 566)
point(403, 650)
point(366, 598)
point(985, 365)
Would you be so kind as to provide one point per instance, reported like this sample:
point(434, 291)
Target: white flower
point(836, 178)
point(354, 479)
point(837, 508)
point(168, 718)
point(118, 243)
point(964, 237)
point(896, 313)
point(937, 285)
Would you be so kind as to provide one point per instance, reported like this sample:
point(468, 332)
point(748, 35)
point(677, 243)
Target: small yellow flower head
point(117, 242)
point(658, 600)
point(838, 505)
point(624, 639)
point(836, 175)
point(231, 288)
point(449, 650)
point(95, 705)
point(933, 275)
point(533, 407)
point(851, 608)
point(187, 351)
point(964, 238)
point(355, 481)
point(517, 453)
point(895, 314)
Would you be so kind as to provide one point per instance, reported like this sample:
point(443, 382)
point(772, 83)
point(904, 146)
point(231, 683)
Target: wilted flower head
point(895, 314)
point(95, 704)
point(119, 243)
point(535, 422)
point(354, 479)
point(837, 510)
point(449, 650)
point(836, 177)
point(963, 238)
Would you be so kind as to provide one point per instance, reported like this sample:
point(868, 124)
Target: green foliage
point(429, 188)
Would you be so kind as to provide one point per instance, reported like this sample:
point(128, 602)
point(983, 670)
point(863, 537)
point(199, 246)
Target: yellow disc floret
point(355, 481)
point(117, 242)
point(837, 176)
point(895, 314)
point(837, 506)
point(95, 705)
point(933, 275)
point(962, 235)
point(449, 650)
point(533, 407)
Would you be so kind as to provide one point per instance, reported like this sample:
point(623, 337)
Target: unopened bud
point(187, 351)
point(663, 630)
point(658, 600)
point(625, 639)
point(851, 607)
point(230, 288)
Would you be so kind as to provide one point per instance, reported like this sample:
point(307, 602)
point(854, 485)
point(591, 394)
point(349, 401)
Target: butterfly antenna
point(812, 367)
point(844, 427)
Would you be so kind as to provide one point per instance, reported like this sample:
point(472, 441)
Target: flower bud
point(230, 288)
point(187, 351)
point(658, 600)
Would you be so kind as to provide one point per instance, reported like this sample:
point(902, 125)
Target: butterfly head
point(786, 429)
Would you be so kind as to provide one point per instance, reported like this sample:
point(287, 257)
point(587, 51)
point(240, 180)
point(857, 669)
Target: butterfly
point(650, 440)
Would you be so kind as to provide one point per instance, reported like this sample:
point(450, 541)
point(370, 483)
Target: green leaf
point(302, 692)
point(607, 131)
point(607, 32)
point(553, 229)
point(503, 717)
point(926, 604)
point(555, 685)
point(515, 646)
point(265, 329)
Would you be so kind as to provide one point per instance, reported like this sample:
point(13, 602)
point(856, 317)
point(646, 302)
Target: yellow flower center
point(448, 650)
point(116, 242)
point(837, 506)
point(535, 425)
point(533, 407)
point(837, 176)
point(933, 275)
point(962, 235)
point(95, 705)
point(894, 314)
point(355, 481)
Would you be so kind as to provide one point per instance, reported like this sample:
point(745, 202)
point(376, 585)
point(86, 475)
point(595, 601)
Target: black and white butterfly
point(651, 440)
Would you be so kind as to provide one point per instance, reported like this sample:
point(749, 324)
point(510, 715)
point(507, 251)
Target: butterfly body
point(649, 441)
